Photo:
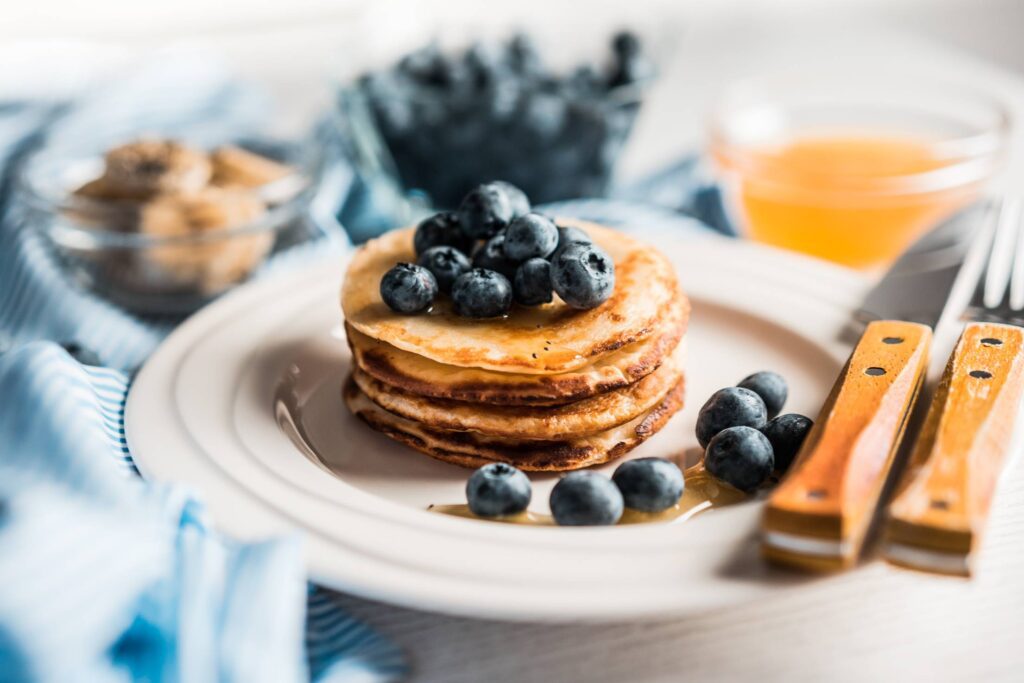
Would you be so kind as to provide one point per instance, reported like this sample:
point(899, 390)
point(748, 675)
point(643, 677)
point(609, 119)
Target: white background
point(298, 48)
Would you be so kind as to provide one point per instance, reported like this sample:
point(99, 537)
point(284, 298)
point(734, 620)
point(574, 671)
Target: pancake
point(614, 370)
point(469, 449)
point(589, 416)
point(548, 339)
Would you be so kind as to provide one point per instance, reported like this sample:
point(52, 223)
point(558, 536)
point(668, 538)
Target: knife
point(939, 514)
point(937, 519)
point(818, 518)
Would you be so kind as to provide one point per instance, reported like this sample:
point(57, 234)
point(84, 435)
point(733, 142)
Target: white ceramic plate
point(243, 403)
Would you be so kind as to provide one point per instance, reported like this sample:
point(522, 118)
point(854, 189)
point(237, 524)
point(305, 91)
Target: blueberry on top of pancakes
point(408, 288)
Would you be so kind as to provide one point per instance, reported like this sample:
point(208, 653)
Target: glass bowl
point(163, 271)
point(853, 169)
point(434, 139)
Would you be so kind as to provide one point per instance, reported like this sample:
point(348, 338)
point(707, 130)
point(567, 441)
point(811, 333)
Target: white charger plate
point(242, 402)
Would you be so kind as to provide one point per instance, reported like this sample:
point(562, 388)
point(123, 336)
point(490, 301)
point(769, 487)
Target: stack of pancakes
point(545, 388)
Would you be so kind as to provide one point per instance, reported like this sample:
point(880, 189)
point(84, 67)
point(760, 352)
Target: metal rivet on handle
point(817, 494)
point(991, 341)
point(875, 372)
point(980, 374)
point(892, 340)
point(939, 504)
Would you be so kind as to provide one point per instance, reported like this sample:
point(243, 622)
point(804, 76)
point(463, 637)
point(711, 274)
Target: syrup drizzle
point(702, 492)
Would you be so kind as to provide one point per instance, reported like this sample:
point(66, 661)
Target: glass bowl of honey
point(853, 170)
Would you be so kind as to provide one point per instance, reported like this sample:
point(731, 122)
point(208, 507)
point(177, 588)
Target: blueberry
point(497, 489)
point(786, 433)
point(583, 275)
point(82, 354)
point(446, 264)
point(630, 69)
point(501, 101)
point(532, 283)
point(492, 257)
point(523, 56)
point(484, 64)
point(586, 499)
point(424, 64)
point(585, 81)
point(481, 293)
point(741, 457)
point(485, 211)
point(408, 288)
point(649, 484)
point(770, 387)
point(626, 43)
point(571, 235)
point(530, 236)
point(543, 115)
point(730, 407)
point(520, 202)
point(441, 230)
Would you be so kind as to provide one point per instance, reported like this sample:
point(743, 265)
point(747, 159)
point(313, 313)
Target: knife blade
point(819, 516)
point(917, 287)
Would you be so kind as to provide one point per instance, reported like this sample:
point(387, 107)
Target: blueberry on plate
point(481, 293)
point(586, 499)
point(649, 484)
point(532, 283)
point(446, 263)
point(485, 211)
point(516, 197)
point(583, 275)
point(497, 490)
point(408, 288)
point(441, 230)
point(530, 236)
point(491, 255)
point(730, 407)
point(771, 387)
point(741, 457)
point(786, 433)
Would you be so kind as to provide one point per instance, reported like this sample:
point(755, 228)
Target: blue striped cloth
point(104, 576)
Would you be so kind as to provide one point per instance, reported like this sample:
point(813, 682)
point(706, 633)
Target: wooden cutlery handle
point(818, 516)
point(939, 512)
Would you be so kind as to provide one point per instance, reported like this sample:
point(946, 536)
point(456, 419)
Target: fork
point(938, 516)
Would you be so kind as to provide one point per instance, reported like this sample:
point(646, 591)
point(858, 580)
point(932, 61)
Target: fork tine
point(976, 263)
point(1017, 271)
point(997, 275)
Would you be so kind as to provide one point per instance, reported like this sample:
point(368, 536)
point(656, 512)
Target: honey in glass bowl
point(853, 174)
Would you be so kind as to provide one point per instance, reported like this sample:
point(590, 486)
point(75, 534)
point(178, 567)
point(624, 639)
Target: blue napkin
point(103, 576)
point(106, 577)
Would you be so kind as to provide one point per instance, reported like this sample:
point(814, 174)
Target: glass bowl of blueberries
point(440, 123)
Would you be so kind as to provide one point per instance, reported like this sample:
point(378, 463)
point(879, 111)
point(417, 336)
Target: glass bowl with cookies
point(162, 226)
